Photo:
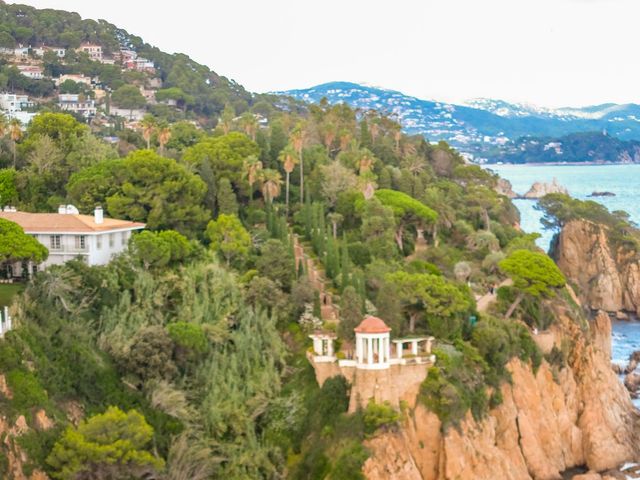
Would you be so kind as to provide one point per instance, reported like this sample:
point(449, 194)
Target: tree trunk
point(301, 177)
point(412, 322)
point(335, 229)
point(287, 196)
point(434, 235)
point(513, 306)
point(487, 220)
point(398, 237)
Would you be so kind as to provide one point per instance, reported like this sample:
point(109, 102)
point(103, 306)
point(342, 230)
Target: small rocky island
point(602, 194)
point(540, 189)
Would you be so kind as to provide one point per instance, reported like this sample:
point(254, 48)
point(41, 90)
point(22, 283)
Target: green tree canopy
point(15, 245)
point(407, 210)
point(533, 273)
point(160, 249)
point(143, 187)
point(114, 444)
point(442, 302)
point(229, 237)
point(129, 97)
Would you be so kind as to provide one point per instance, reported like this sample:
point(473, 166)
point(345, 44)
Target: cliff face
point(583, 417)
point(608, 279)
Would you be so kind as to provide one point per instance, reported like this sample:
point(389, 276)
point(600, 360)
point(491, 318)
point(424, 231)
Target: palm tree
point(289, 159)
point(365, 161)
point(345, 136)
point(226, 119)
point(297, 138)
point(15, 133)
point(271, 183)
point(249, 124)
point(148, 124)
point(329, 132)
point(164, 135)
point(415, 164)
point(252, 166)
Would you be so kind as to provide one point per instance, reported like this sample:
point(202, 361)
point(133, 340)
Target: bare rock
point(540, 189)
point(587, 476)
point(5, 391)
point(621, 316)
point(504, 187)
point(607, 278)
point(41, 421)
point(617, 369)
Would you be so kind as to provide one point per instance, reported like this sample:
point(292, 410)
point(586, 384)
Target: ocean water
point(581, 181)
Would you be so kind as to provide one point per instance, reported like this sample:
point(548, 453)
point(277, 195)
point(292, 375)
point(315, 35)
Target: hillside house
point(31, 71)
point(69, 235)
point(12, 106)
point(140, 64)
point(21, 53)
point(40, 51)
point(133, 115)
point(94, 51)
point(75, 77)
point(76, 103)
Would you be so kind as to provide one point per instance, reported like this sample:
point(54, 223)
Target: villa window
point(54, 242)
point(81, 242)
point(99, 242)
point(112, 238)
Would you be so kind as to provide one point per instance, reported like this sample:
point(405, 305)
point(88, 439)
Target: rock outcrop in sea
point(550, 420)
point(540, 189)
point(504, 187)
point(606, 275)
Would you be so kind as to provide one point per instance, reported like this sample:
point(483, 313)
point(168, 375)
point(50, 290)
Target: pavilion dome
point(372, 324)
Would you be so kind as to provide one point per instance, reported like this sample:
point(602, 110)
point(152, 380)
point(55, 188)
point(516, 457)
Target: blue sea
point(581, 181)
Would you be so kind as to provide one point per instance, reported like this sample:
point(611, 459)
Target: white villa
point(68, 235)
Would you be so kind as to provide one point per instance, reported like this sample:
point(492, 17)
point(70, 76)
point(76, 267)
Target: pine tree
point(226, 198)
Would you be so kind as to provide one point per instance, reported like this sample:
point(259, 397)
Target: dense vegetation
point(190, 347)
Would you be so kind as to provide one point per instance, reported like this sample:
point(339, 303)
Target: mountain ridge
point(480, 128)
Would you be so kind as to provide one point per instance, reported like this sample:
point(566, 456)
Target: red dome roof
point(372, 324)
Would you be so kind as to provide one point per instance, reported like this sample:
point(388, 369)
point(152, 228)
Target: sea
point(581, 181)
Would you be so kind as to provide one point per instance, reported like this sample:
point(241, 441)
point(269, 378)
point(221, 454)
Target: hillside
point(107, 74)
point(225, 338)
point(482, 127)
point(591, 147)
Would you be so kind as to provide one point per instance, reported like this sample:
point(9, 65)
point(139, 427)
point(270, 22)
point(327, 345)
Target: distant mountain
point(482, 128)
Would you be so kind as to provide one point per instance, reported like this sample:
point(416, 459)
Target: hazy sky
point(548, 52)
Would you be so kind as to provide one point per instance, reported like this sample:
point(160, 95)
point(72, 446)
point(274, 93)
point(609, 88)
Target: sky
point(546, 52)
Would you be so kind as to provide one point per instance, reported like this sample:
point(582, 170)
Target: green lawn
point(8, 291)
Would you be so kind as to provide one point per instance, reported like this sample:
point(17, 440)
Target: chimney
point(98, 216)
point(62, 209)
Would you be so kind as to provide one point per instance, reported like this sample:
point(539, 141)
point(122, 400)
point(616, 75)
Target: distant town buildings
point(12, 106)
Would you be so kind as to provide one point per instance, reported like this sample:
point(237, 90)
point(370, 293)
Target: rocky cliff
point(607, 276)
point(550, 421)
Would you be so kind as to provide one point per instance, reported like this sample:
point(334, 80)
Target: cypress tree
point(226, 198)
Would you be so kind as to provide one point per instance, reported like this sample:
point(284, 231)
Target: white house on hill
point(68, 235)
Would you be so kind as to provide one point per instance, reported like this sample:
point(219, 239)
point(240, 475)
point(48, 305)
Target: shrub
point(26, 389)
point(378, 415)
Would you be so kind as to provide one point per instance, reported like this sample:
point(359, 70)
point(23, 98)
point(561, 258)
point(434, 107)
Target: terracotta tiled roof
point(372, 324)
point(66, 223)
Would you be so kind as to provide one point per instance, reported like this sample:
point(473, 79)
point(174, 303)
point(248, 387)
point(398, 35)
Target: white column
point(330, 347)
point(369, 350)
point(359, 349)
point(414, 347)
point(317, 347)
point(7, 319)
point(387, 350)
point(399, 348)
point(429, 342)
